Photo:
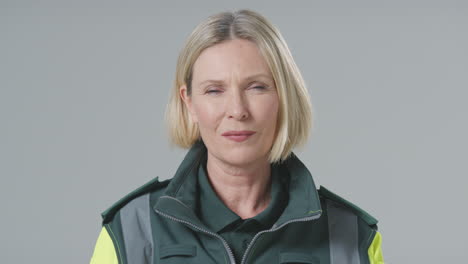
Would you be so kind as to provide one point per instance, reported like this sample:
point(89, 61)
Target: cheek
point(268, 111)
point(206, 114)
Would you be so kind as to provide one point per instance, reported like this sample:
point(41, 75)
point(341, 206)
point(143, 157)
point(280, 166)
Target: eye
point(213, 91)
point(259, 87)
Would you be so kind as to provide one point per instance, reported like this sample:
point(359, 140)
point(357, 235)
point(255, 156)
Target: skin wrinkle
point(239, 172)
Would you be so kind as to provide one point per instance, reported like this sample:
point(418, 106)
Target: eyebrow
point(246, 79)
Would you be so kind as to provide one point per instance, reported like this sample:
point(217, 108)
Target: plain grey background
point(84, 86)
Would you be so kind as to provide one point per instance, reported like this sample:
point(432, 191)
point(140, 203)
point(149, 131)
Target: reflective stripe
point(375, 250)
point(136, 230)
point(104, 251)
point(343, 234)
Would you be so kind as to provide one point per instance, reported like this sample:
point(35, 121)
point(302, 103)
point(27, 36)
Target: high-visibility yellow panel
point(104, 251)
point(375, 250)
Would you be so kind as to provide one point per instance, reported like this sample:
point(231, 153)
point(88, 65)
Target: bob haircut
point(295, 109)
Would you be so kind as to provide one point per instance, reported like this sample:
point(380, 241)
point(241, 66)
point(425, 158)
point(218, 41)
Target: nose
point(237, 107)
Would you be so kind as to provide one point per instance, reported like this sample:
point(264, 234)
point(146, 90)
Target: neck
point(243, 189)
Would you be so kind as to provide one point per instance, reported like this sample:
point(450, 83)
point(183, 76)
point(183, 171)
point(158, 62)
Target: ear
point(188, 102)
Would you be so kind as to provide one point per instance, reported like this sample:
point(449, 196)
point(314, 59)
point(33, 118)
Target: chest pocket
point(177, 253)
point(295, 258)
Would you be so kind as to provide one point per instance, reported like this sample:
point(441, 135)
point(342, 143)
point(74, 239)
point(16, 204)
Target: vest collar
point(179, 199)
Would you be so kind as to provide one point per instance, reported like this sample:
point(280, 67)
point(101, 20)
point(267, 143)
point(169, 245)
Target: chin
point(241, 157)
point(238, 154)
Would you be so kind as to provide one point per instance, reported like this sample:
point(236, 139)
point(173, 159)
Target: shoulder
point(347, 205)
point(153, 186)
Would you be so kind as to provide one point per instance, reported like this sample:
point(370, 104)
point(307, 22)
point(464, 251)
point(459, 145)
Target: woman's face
point(233, 91)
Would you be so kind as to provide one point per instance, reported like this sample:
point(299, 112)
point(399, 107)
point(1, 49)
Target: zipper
point(225, 244)
point(274, 228)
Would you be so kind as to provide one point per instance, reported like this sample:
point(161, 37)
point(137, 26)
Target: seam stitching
point(116, 243)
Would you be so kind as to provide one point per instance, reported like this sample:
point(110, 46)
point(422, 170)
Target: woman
point(240, 195)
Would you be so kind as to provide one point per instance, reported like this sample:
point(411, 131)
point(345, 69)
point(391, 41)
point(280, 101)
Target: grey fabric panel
point(136, 229)
point(343, 235)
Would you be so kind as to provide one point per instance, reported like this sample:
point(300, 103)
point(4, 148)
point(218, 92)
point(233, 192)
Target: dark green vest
point(157, 224)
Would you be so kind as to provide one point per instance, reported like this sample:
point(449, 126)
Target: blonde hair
point(295, 109)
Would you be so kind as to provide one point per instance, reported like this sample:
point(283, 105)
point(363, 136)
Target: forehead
point(238, 58)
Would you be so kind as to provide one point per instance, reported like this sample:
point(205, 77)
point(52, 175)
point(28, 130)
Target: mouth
point(238, 136)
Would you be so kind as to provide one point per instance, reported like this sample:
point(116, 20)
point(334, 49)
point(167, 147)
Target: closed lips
point(238, 133)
